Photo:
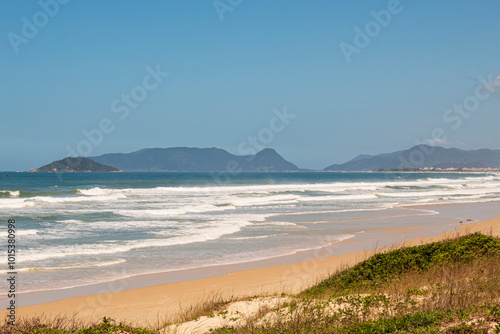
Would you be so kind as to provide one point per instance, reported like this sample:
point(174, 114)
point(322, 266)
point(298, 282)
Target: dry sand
point(148, 305)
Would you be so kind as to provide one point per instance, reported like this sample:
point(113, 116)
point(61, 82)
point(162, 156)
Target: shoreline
point(195, 272)
point(336, 247)
point(144, 299)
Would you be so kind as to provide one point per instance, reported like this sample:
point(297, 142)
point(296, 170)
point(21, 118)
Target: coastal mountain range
point(185, 159)
point(422, 157)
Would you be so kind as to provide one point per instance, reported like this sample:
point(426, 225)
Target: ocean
point(76, 229)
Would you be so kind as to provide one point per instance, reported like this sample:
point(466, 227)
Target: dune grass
point(452, 286)
point(62, 325)
point(73, 325)
point(384, 268)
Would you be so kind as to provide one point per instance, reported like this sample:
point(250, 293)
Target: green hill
point(79, 164)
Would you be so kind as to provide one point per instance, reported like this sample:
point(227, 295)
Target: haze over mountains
point(184, 159)
point(422, 156)
point(268, 160)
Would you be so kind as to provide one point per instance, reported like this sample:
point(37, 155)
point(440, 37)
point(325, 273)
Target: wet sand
point(146, 300)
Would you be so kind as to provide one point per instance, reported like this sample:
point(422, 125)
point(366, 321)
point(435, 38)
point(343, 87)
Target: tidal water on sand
point(80, 228)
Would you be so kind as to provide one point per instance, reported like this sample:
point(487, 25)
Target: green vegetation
point(65, 326)
point(383, 268)
point(446, 287)
point(450, 287)
point(412, 323)
point(79, 164)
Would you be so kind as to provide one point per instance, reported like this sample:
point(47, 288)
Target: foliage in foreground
point(450, 287)
point(65, 326)
point(423, 322)
point(386, 267)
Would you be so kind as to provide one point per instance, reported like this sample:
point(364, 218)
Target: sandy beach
point(150, 304)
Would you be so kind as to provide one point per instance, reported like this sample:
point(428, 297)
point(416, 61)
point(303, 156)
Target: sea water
point(75, 229)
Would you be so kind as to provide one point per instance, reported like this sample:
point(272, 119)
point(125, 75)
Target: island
point(75, 164)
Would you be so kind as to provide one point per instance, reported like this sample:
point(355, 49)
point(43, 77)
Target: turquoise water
point(81, 228)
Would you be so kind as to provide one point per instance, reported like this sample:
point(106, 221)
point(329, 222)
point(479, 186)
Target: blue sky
point(231, 69)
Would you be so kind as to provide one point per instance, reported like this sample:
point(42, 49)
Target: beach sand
point(149, 305)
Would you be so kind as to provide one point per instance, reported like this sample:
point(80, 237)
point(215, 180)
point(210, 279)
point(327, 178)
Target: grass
point(449, 287)
point(207, 306)
point(64, 326)
point(384, 268)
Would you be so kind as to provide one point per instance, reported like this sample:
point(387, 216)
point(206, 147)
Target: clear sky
point(346, 77)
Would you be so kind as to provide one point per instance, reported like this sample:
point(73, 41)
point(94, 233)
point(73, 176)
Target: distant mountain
point(79, 164)
point(184, 159)
point(362, 157)
point(423, 156)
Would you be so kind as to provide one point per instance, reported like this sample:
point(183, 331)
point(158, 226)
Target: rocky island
point(75, 164)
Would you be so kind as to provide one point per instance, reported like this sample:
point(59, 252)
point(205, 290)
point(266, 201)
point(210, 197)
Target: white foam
point(267, 200)
point(278, 223)
point(259, 237)
point(213, 190)
point(93, 192)
point(440, 193)
point(15, 193)
point(26, 232)
point(77, 199)
point(21, 232)
point(190, 235)
point(173, 212)
point(132, 225)
point(103, 263)
point(70, 221)
point(212, 198)
point(14, 203)
point(338, 198)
